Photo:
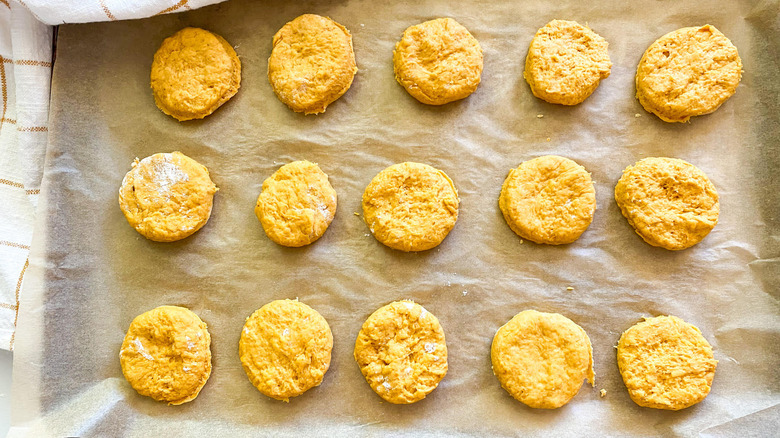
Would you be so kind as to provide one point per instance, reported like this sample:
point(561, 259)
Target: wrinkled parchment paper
point(91, 273)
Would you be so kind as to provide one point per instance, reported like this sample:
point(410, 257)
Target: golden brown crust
point(410, 206)
point(167, 196)
point(666, 363)
point(688, 72)
point(194, 72)
point(565, 62)
point(166, 354)
point(548, 200)
point(541, 359)
point(285, 348)
point(312, 63)
point(438, 61)
point(401, 352)
point(669, 202)
point(296, 205)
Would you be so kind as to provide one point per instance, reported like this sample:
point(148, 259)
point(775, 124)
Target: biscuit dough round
point(438, 61)
point(285, 348)
point(296, 205)
point(665, 363)
point(410, 206)
point(167, 196)
point(194, 72)
point(565, 62)
point(312, 63)
point(166, 354)
point(541, 359)
point(688, 72)
point(669, 202)
point(401, 352)
point(548, 200)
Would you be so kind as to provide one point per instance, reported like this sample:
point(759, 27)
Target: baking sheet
point(91, 273)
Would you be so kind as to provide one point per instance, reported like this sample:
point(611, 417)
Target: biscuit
point(410, 206)
point(438, 61)
point(312, 63)
point(194, 72)
point(541, 359)
point(665, 363)
point(688, 72)
point(669, 202)
point(296, 205)
point(167, 197)
point(402, 353)
point(565, 62)
point(285, 348)
point(548, 200)
point(166, 354)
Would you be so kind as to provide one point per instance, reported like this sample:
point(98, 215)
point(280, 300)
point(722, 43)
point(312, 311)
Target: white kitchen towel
point(25, 75)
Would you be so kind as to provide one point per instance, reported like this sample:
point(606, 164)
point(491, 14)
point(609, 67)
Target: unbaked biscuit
point(541, 359)
point(167, 196)
point(285, 348)
point(401, 352)
point(410, 206)
point(166, 354)
point(548, 200)
point(312, 63)
point(688, 72)
point(565, 62)
point(438, 61)
point(194, 72)
point(665, 363)
point(296, 205)
point(669, 202)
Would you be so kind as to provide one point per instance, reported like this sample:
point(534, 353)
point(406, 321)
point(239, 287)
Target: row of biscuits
point(541, 359)
point(685, 73)
point(413, 207)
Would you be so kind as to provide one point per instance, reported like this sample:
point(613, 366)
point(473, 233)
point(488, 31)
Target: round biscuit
point(566, 62)
point(193, 73)
point(166, 354)
point(549, 200)
point(665, 363)
point(312, 63)
point(438, 61)
point(296, 205)
point(285, 348)
point(410, 206)
point(167, 196)
point(688, 72)
point(401, 352)
point(669, 202)
point(541, 359)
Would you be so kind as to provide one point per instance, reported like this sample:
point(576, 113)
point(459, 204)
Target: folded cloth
point(25, 76)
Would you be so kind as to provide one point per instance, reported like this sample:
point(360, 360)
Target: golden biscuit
point(566, 62)
point(548, 200)
point(312, 63)
point(410, 206)
point(541, 359)
point(438, 61)
point(296, 205)
point(167, 197)
point(285, 348)
point(402, 353)
point(166, 354)
point(193, 73)
point(669, 202)
point(666, 363)
point(688, 72)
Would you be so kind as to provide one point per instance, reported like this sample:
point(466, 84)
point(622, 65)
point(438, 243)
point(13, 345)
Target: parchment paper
point(91, 273)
